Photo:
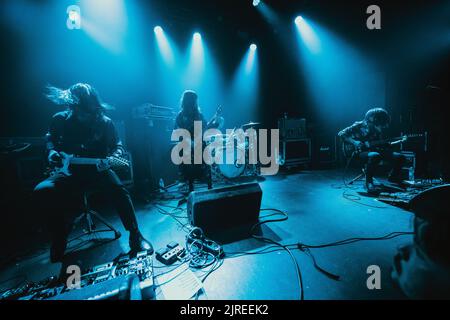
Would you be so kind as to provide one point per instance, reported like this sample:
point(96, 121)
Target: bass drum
point(237, 166)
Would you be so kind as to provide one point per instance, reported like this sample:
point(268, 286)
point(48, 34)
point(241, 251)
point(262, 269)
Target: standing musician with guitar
point(360, 136)
point(82, 147)
point(190, 112)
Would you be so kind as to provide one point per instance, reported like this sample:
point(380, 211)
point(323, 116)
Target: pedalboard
point(97, 282)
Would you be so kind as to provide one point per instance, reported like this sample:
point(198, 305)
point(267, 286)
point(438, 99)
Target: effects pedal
point(170, 253)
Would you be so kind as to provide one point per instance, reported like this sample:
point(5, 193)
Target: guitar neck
point(87, 161)
point(384, 141)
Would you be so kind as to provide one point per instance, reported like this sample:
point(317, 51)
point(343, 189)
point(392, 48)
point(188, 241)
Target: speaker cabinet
point(151, 146)
point(217, 210)
point(296, 152)
point(325, 150)
point(24, 168)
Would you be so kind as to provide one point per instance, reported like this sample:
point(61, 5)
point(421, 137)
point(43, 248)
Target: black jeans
point(373, 158)
point(189, 172)
point(60, 197)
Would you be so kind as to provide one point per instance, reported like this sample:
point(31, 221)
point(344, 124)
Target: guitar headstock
point(115, 162)
point(112, 162)
point(411, 135)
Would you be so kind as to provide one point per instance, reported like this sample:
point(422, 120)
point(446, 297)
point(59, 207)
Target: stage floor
point(318, 213)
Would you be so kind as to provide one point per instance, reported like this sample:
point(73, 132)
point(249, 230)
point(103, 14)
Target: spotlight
point(251, 56)
point(164, 46)
point(307, 34)
point(256, 2)
point(196, 66)
point(158, 30)
point(73, 16)
point(197, 36)
point(298, 20)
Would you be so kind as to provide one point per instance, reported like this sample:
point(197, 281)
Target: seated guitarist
point(85, 131)
point(361, 133)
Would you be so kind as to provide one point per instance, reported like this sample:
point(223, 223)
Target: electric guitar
point(99, 163)
point(216, 121)
point(349, 149)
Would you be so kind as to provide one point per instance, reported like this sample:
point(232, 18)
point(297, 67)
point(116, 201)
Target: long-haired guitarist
point(189, 113)
point(84, 131)
point(362, 133)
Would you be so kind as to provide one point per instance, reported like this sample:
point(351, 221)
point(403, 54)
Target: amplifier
point(296, 152)
point(324, 150)
point(22, 161)
point(292, 128)
point(148, 110)
point(219, 209)
point(151, 146)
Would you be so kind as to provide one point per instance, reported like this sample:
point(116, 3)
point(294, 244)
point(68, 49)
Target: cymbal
point(251, 124)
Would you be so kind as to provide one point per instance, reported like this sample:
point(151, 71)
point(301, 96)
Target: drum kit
point(237, 149)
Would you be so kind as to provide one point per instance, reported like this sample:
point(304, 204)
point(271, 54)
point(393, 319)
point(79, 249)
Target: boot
point(139, 243)
point(370, 187)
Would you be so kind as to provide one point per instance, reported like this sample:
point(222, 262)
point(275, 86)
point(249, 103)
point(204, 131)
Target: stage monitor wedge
point(216, 210)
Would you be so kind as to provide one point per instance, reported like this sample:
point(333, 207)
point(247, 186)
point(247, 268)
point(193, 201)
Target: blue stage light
point(74, 15)
point(164, 46)
point(197, 47)
point(244, 90)
point(337, 76)
point(196, 64)
point(308, 34)
point(158, 30)
point(269, 14)
point(298, 20)
point(251, 57)
point(197, 36)
point(107, 22)
point(256, 2)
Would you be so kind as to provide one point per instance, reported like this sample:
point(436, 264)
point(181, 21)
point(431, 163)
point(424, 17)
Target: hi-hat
point(250, 124)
